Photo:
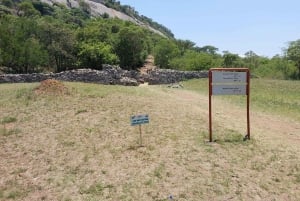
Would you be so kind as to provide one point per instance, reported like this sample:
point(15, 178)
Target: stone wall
point(109, 75)
point(166, 76)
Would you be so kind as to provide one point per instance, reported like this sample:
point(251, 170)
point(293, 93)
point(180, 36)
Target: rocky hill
point(97, 8)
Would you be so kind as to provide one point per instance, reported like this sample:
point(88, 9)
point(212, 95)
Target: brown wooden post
point(210, 115)
point(248, 105)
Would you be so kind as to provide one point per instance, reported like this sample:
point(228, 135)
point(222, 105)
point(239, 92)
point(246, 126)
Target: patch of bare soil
point(51, 87)
point(148, 65)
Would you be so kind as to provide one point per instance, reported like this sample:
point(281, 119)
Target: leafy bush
point(93, 55)
point(192, 60)
point(164, 52)
point(8, 119)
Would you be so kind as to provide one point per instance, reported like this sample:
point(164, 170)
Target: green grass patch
point(297, 178)
point(8, 119)
point(80, 111)
point(198, 85)
point(232, 136)
point(25, 93)
point(14, 191)
point(96, 189)
point(102, 91)
point(7, 132)
point(158, 171)
point(17, 93)
point(281, 97)
point(229, 136)
point(14, 194)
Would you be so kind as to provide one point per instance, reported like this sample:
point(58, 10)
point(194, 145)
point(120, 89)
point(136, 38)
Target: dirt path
point(148, 65)
point(265, 127)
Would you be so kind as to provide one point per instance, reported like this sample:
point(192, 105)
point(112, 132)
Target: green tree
point(293, 53)
point(23, 50)
point(230, 59)
point(98, 30)
point(207, 49)
point(75, 17)
point(164, 52)
point(132, 47)
point(7, 3)
point(43, 8)
point(276, 68)
point(93, 55)
point(251, 60)
point(27, 9)
point(85, 7)
point(5, 10)
point(32, 56)
point(184, 45)
point(59, 41)
point(193, 60)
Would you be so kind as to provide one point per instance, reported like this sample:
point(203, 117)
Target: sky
point(262, 26)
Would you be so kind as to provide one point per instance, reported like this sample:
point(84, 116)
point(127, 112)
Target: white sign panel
point(229, 89)
point(229, 77)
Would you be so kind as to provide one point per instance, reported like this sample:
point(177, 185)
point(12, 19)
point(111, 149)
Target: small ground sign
point(139, 119)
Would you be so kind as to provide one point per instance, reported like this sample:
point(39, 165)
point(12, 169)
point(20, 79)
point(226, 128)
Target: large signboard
point(229, 77)
point(229, 81)
point(229, 89)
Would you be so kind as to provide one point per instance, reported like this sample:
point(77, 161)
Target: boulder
point(127, 81)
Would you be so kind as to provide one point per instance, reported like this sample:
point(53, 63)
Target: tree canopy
point(37, 37)
point(293, 53)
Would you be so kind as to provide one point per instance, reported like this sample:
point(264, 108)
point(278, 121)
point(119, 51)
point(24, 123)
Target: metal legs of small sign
point(229, 81)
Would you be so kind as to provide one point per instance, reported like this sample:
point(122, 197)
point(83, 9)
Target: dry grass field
point(78, 144)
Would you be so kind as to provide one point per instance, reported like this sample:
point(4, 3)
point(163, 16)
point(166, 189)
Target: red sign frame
point(210, 76)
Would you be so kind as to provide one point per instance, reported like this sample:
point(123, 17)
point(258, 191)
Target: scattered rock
point(127, 81)
point(144, 84)
point(175, 85)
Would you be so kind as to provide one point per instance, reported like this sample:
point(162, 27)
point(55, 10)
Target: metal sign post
point(139, 120)
point(229, 81)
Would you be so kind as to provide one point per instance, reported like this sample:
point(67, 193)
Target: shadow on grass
point(227, 136)
point(231, 137)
